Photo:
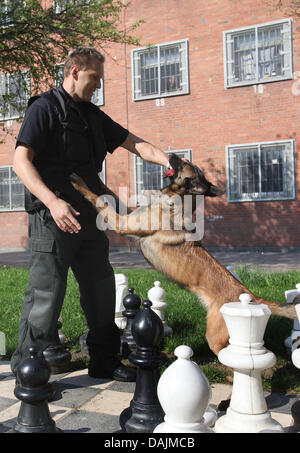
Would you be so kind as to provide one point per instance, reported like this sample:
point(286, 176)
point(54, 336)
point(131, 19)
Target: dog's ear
point(176, 162)
point(214, 191)
point(176, 165)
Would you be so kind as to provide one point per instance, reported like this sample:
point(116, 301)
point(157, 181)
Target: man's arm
point(145, 150)
point(61, 211)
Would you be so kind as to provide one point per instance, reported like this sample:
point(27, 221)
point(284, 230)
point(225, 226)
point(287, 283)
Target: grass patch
point(184, 314)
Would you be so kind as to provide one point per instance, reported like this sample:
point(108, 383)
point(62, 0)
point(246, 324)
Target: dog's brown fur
point(187, 263)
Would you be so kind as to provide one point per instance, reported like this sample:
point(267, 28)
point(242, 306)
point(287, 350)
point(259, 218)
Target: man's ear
point(74, 71)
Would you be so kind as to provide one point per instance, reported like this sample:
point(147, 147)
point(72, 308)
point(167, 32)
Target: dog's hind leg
point(216, 331)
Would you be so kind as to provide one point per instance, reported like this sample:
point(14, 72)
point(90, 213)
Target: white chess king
point(246, 323)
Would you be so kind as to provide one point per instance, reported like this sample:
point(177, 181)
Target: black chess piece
point(295, 412)
point(132, 304)
point(57, 355)
point(145, 411)
point(34, 390)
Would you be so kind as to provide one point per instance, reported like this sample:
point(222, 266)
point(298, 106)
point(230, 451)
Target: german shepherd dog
point(171, 252)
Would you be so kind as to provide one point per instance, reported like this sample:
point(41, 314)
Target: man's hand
point(63, 215)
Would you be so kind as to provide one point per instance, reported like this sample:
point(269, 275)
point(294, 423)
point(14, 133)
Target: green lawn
point(184, 314)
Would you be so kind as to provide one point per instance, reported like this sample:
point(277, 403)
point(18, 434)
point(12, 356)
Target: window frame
point(136, 159)
point(260, 144)
point(159, 95)
point(10, 209)
point(7, 116)
point(257, 81)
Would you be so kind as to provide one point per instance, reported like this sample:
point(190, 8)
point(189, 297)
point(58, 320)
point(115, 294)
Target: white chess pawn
point(157, 295)
point(184, 393)
point(121, 291)
point(2, 343)
point(246, 323)
point(290, 295)
point(296, 352)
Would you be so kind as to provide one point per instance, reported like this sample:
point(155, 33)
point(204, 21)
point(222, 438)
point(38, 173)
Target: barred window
point(148, 177)
point(14, 94)
point(261, 171)
point(258, 54)
point(61, 5)
point(98, 96)
point(160, 70)
point(12, 192)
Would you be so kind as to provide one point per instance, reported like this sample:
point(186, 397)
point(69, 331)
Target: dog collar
point(168, 173)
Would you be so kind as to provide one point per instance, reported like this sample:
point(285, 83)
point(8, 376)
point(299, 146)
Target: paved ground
point(268, 260)
point(86, 405)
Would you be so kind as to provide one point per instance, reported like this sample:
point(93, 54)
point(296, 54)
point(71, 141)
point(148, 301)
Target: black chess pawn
point(57, 355)
point(295, 412)
point(132, 304)
point(145, 411)
point(34, 390)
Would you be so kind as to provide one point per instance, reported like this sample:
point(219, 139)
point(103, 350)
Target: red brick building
point(220, 84)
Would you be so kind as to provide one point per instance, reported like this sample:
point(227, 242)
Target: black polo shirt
point(75, 141)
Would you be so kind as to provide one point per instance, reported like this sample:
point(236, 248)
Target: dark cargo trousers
point(53, 252)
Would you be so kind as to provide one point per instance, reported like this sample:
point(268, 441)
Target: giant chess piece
point(132, 304)
point(184, 393)
point(121, 291)
point(290, 295)
point(121, 282)
point(145, 411)
point(157, 295)
point(34, 391)
point(295, 409)
point(2, 343)
point(246, 323)
point(57, 355)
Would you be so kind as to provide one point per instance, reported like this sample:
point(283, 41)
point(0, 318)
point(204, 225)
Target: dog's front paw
point(77, 182)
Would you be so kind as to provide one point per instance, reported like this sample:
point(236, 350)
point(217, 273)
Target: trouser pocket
point(46, 287)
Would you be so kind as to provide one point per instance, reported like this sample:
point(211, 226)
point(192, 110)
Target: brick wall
point(211, 117)
point(207, 119)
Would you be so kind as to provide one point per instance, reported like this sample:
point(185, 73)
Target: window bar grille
point(158, 71)
point(256, 55)
point(259, 169)
point(9, 187)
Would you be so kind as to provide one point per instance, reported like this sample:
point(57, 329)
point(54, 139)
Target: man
point(63, 132)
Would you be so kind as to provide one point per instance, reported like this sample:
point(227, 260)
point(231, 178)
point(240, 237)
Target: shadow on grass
point(285, 379)
point(277, 330)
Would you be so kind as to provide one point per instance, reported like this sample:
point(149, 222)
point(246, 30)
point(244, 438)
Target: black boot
point(110, 368)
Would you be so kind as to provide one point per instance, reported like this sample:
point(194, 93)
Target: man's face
point(88, 80)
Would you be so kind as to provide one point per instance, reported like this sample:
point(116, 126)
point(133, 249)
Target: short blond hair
point(82, 57)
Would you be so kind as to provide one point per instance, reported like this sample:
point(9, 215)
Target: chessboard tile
point(5, 370)
point(81, 421)
point(285, 420)
point(7, 386)
point(72, 396)
point(108, 402)
point(6, 402)
point(81, 378)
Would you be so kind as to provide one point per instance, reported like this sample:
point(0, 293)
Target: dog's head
point(189, 176)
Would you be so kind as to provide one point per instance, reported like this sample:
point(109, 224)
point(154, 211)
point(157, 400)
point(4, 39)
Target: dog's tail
point(286, 310)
